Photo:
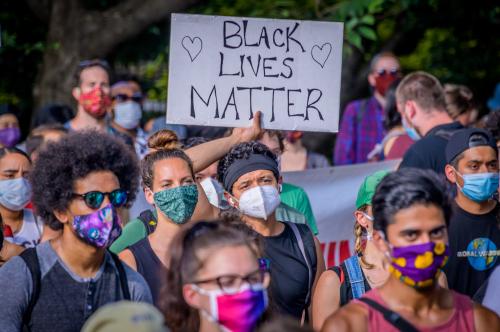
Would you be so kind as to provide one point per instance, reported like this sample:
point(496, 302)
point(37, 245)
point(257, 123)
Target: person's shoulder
point(485, 319)
point(133, 232)
point(351, 317)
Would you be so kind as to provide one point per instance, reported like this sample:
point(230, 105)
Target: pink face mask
point(95, 102)
point(238, 312)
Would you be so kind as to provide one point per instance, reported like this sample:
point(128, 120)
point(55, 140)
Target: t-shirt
point(66, 300)
point(289, 272)
point(474, 249)
point(429, 151)
point(297, 198)
point(30, 233)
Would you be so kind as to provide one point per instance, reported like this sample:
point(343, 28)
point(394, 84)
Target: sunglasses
point(121, 98)
point(393, 72)
point(95, 62)
point(94, 199)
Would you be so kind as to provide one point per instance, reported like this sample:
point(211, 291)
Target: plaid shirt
point(359, 132)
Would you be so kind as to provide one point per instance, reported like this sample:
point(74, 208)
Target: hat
point(126, 316)
point(460, 141)
point(367, 189)
point(494, 102)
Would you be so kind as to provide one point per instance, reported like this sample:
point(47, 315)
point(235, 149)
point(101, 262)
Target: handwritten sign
point(224, 69)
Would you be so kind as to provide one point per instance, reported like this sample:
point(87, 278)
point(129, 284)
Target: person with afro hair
point(78, 184)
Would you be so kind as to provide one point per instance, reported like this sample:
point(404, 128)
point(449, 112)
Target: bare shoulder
point(351, 317)
point(485, 319)
point(329, 280)
point(128, 258)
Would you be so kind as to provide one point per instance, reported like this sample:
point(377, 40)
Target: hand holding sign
point(251, 133)
point(193, 46)
point(321, 54)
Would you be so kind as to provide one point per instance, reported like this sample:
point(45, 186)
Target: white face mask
point(259, 202)
point(369, 233)
point(128, 114)
point(215, 193)
point(15, 194)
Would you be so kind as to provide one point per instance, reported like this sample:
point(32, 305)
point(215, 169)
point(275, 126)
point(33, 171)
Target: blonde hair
point(359, 232)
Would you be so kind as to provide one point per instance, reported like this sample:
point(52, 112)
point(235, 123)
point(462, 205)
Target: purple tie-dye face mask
point(419, 265)
point(99, 228)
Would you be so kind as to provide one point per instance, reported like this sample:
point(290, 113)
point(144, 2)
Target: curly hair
point(77, 155)
point(242, 151)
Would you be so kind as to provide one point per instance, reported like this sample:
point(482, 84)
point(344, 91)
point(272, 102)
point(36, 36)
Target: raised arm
point(205, 154)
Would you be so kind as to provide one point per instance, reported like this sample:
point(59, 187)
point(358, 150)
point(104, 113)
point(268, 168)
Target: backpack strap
point(356, 278)
point(390, 316)
point(149, 220)
point(300, 242)
point(30, 258)
point(122, 274)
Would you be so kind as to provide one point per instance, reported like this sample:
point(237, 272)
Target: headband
point(243, 166)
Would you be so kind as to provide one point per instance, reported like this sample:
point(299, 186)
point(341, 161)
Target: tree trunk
point(77, 34)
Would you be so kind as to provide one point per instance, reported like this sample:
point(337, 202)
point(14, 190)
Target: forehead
point(14, 160)
point(105, 181)
point(8, 118)
point(171, 167)
point(254, 175)
point(386, 62)
point(227, 260)
point(94, 73)
point(418, 217)
point(125, 89)
point(480, 153)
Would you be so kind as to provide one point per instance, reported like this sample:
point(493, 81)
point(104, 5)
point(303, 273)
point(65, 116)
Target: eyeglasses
point(94, 62)
point(393, 72)
point(232, 283)
point(121, 98)
point(94, 199)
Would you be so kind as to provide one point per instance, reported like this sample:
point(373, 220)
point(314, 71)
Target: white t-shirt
point(30, 233)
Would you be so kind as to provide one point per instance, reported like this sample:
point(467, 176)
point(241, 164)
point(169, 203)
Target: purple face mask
point(419, 265)
point(9, 137)
point(99, 228)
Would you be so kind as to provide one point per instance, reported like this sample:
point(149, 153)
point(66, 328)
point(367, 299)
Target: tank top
point(149, 266)
point(462, 319)
point(30, 233)
point(345, 283)
point(289, 271)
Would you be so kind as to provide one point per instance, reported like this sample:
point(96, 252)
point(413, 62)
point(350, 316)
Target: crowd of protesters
point(112, 224)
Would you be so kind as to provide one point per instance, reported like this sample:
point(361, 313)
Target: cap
point(460, 141)
point(367, 189)
point(126, 316)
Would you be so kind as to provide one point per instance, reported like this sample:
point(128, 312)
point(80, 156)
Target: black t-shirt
point(474, 249)
point(429, 151)
point(289, 272)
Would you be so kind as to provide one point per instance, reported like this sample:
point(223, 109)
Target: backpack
point(356, 279)
point(30, 258)
point(149, 221)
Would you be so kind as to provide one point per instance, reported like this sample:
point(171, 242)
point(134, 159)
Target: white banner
point(224, 69)
point(332, 192)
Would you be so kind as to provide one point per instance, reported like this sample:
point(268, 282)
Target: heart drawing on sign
point(321, 54)
point(193, 46)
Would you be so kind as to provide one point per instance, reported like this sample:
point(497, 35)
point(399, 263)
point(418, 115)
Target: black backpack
point(30, 258)
point(149, 220)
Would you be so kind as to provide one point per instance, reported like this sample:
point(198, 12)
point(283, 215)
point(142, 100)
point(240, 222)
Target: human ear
point(192, 297)
point(231, 200)
point(450, 173)
point(148, 193)
point(64, 217)
point(76, 92)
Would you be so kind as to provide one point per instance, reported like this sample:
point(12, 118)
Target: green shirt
point(133, 232)
point(297, 198)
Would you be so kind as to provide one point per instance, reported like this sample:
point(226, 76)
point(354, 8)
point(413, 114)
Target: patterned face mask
point(177, 203)
point(99, 228)
point(419, 265)
point(95, 102)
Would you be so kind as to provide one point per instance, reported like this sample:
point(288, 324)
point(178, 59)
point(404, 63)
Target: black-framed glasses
point(393, 72)
point(232, 283)
point(94, 62)
point(94, 199)
point(121, 97)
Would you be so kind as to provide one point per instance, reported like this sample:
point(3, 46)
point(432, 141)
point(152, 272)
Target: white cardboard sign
point(224, 69)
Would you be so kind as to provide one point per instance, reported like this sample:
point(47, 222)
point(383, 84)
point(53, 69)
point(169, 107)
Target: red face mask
point(95, 102)
point(293, 136)
point(382, 82)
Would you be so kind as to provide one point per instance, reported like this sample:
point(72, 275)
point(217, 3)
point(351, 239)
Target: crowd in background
point(111, 222)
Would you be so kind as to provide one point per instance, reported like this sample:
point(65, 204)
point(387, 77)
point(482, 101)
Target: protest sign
point(224, 69)
point(332, 192)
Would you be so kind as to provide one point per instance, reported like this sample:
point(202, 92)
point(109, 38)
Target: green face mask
point(177, 203)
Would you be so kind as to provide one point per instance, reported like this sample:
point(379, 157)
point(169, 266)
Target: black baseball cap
point(468, 138)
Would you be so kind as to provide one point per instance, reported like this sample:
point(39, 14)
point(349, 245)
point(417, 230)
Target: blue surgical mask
point(479, 187)
point(128, 114)
point(411, 131)
point(15, 194)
